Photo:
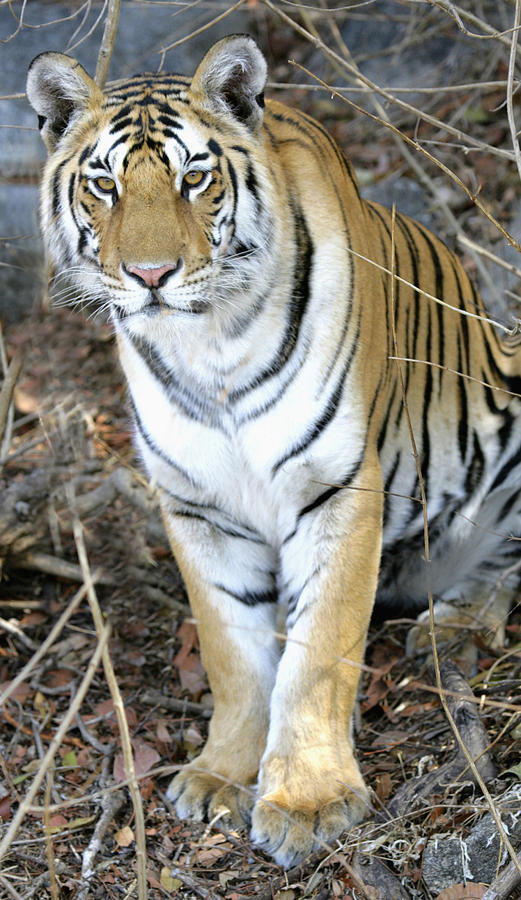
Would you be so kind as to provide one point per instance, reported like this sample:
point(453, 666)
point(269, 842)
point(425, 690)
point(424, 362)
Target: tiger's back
point(260, 305)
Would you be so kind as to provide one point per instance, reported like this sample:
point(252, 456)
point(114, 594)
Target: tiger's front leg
point(310, 787)
point(231, 588)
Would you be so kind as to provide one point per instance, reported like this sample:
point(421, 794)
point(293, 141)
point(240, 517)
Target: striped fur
point(249, 290)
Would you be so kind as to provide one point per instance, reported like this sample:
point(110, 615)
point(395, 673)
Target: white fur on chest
point(235, 465)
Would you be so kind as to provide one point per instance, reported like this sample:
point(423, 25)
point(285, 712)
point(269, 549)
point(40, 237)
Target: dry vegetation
point(102, 695)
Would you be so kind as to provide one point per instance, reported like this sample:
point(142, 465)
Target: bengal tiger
point(259, 304)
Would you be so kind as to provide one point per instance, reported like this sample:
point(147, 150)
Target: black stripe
point(191, 404)
point(507, 506)
point(251, 598)
point(297, 307)
point(158, 450)
point(387, 487)
point(56, 186)
point(325, 495)
point(228, 531)
point(476, 467)
point(511, 463)
point(316, 428)
point(463, 418)
point(233, 179)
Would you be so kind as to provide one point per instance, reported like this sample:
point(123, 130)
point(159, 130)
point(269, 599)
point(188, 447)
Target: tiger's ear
point(232, 76)
point(57, 88)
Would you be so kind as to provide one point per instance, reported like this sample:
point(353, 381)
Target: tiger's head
point(156, 194)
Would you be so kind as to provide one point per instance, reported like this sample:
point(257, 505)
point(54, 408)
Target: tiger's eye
point(193, 178)
point(105, 184)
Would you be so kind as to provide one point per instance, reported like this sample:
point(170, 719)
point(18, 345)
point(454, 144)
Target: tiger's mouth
point(155, 305)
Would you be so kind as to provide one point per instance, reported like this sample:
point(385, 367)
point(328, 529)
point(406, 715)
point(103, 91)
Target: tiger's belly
point(473, 511)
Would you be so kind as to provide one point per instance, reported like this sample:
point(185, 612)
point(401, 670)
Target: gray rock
point(477, 858)
point(407, 194)
point(443, 863)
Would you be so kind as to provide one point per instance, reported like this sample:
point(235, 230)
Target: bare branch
point(107, 43)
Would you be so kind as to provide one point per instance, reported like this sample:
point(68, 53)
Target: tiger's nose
point(153, 276)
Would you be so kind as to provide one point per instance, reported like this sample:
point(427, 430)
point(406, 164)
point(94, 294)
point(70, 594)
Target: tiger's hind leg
point(234, 606)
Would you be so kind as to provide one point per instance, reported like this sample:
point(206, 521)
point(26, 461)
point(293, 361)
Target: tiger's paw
point(199, 795)
point(290, 835)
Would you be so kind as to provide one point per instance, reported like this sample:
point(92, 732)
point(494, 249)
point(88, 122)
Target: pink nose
point(155, 275)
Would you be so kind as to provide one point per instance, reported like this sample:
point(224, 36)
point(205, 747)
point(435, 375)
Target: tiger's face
point(158, 200)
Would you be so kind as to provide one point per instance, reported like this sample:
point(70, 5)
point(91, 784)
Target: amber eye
point(194, 178)
point(105, 184)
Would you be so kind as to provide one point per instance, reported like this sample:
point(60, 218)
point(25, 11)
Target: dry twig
point(119, 708)
point(107, 43)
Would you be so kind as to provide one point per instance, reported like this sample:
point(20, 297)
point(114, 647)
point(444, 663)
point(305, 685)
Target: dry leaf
point(145, 757)
point(463, 892)
point(162, 733)
point(125, 836)
point(5, 808)
point(25, 402)
point(36, 617)
point(57, 821)
point(168, 882)
point(213, 849)
point(59, 678)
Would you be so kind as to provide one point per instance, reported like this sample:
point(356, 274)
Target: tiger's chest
point(257, 458)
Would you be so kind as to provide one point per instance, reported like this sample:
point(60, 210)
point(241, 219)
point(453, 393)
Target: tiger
point(284, 341)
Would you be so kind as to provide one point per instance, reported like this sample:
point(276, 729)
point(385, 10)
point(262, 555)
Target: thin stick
point(6, 394)
point(107, 43)
point(458, 14)
point(119, 708)
point(493, 257)
point(55, 891)
point(427, 362)
point(510, 91)
point(10, 890)
point(55, 743)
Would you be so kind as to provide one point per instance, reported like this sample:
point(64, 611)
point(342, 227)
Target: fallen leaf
point(145, 757)
point(125, 836)
point(168, 882)
point(187, 634)
point(134, 658)
point(5, 808)
point(213, 849)
point(70, 759)
point(192, 676)
point(162, 733)
point(21, 691)
point(391, 739)
point(41, 705)
point(516, 770)
point(33, 618)
point(57, 821)
point(59, 678)
point(463, 892)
